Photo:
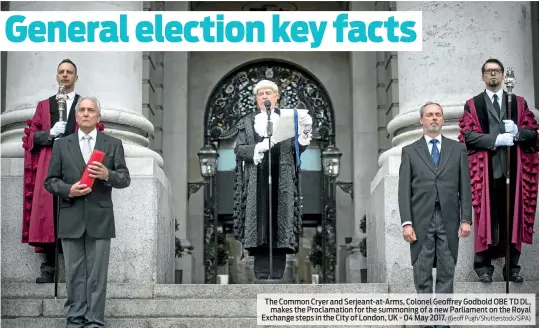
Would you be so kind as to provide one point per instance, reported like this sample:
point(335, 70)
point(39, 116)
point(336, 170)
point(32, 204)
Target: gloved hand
point(58, 128)
point(263, 146)
point(504, 139)
point(510, 127)
point(306, 120)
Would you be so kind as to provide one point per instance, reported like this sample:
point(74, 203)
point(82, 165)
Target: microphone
point(267, 104)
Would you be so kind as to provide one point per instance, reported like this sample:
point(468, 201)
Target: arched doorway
point(231, 99)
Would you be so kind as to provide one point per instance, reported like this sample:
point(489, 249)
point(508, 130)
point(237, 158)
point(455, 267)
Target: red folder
point(97, 156)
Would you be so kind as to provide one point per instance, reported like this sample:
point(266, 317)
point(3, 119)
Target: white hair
point(94, 99)
point(266, 84)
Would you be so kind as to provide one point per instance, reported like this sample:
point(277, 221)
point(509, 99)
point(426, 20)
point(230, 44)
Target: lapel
point(503, 108)
point(491, 108)
point(76, 154)
point(445, 153)
point(423, 151)
point(53, 109)
point(71, 120)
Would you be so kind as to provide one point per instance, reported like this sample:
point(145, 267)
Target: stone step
point(179, 323)
point(151, 291)
point(151, 323)
point(199, 291)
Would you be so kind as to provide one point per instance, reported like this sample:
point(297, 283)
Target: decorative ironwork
point(347, 187)
point(329, 235)
point(211, 234)
point(233, 98)
point(194, 187)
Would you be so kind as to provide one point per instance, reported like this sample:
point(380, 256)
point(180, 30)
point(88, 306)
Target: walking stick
point(61, 99)
point(509, 83)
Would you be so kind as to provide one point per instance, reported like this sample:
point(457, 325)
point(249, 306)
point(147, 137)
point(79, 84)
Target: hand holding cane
point(509, 83)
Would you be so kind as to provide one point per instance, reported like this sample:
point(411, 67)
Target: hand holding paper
point(285, 129)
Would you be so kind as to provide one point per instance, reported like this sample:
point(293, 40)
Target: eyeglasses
point(493, 70)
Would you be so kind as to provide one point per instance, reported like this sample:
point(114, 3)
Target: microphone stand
point(61, 98)
point(509, 83)
point(270, 219)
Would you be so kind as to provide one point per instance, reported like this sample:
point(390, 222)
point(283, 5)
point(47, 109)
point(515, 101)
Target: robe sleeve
point(474, 139)
point(243, 150)
point(527, 134)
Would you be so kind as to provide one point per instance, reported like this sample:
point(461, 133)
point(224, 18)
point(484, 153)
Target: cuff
point(406, 223)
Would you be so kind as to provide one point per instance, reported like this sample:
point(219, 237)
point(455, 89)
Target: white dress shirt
point(490, 95)
point(69, 103)
point(429, 144)
point(92, 134)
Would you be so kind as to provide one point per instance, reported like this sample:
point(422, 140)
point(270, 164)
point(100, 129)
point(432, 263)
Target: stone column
point(145, 232)
point(365, 141)
point(175, 140)
point(456, 42)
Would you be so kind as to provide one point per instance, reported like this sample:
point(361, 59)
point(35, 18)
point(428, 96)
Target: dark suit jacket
point(92, 212)
point(420, 181)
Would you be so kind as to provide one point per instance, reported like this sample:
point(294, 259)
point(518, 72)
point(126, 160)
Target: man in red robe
point(489, 133)
point(39, 206)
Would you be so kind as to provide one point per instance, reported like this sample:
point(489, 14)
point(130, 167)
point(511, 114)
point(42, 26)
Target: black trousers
point(482, 260)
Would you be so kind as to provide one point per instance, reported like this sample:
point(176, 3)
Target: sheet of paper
point(285, 129)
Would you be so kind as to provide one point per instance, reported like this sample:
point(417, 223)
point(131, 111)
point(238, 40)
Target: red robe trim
point(526, 182)
point(38, 213)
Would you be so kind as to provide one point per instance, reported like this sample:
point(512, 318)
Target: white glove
point(504, 139)
point(58, 128)
point(263, 146)
point(510, 127)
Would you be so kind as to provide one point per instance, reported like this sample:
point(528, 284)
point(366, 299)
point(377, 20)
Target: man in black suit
point(86, 214)
point(435, 201)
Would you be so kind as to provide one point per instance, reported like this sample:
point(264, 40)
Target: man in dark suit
point(86, 214)
point(490, 133)
point(435, 202)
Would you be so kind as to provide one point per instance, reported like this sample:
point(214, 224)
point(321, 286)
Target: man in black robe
point(251, 205)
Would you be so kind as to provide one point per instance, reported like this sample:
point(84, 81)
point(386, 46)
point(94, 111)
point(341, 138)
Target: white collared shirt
point(92, 134)
point(438, 144)
point(69, 103)
point(490, 95)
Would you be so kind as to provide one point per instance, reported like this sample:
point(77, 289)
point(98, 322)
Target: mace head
point(509, 78)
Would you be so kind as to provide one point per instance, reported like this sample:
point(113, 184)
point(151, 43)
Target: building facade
point(166, 105)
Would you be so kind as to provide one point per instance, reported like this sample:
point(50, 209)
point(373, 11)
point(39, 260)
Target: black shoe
point(515, 277)
point(486, 278)
point(45, 278)
point(47, 274)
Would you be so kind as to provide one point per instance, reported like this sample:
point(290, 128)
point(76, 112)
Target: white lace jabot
point(261, 123)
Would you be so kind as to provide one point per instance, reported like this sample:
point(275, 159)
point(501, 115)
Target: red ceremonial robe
point(526, 181)
point(38, 212)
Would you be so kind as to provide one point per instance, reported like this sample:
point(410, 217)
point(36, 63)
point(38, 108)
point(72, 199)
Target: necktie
point(86, 148)
point(495, 103)
point(435, 153)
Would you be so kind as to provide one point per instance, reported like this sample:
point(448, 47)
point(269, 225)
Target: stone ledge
point(153, 323)
point(172, 322)
point(198, 291)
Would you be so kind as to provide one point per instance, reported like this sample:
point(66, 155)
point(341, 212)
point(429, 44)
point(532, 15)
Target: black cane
point(267, 104)
point(509, 83)
point(61, 99)
point(57, 219)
